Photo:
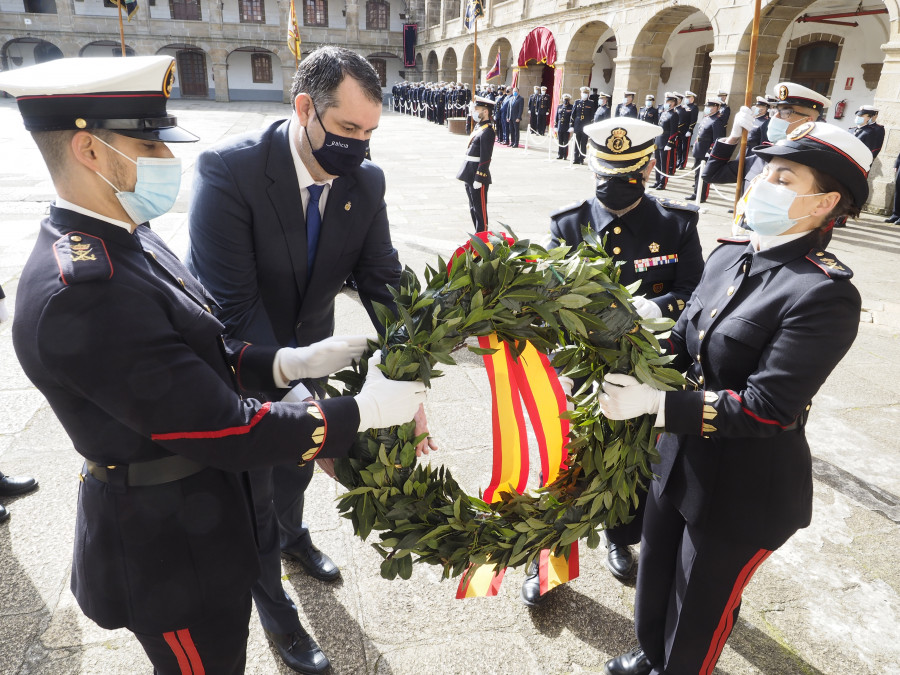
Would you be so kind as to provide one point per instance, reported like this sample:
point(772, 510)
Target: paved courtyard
point(827, 603)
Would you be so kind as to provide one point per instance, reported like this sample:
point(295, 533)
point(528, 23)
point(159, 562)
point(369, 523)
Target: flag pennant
point(130, 8)
point(474, 11)
point(480, 581)
point(293, 36)
point(495, 69)
point(554, 570)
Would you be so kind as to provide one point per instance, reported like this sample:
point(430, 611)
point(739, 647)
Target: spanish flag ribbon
point(480, 581)
point(554, 570)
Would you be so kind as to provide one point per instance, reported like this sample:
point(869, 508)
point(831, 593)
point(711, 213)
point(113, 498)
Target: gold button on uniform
point(617, 230)
point(713, 313)
point(700, 379)
point(701, 334)
point(730, 290)
point(75, 237)
point(617, 250)
point(698, 358)
point(181, 281)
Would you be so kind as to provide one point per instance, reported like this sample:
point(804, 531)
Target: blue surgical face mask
point(767, 207)
point(707, 110)
point(777, 129)
point(860, 120)
point(158, 182)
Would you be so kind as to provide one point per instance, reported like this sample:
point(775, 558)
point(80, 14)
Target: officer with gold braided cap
point(656, 243)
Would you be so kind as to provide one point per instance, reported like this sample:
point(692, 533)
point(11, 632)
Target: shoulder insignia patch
point(734, 240)
point(677, 204)
point(82, 257)
point(830, 266)
point(568, 209)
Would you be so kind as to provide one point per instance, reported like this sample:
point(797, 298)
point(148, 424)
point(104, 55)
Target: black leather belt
point(145, 474)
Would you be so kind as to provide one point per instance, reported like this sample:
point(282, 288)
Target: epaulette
point(677, 204)
point(733, 240)
point(830, 266)
point(82, 257)
point(568, 209)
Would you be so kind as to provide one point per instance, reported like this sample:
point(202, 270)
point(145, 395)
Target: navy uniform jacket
point(693, 112)
point(246, 207)
point(626, 110)
point(725, 112)
point(872, 135)
point(668, 120)
point(657, 243)
point(582, 113)
point(119, 337)
point(481, 145)
point(542, 105)
point(563, 117)
point(710, 130)
point(601, 113)
point(758, 136)
point(758, 339)
point(649, 114)
point(720, 168)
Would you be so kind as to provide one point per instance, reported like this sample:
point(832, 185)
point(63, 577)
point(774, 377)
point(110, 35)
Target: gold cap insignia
point(169, 80)
point(782, 93)
point(80, 123)
point(654, 247)
point(618, 140)
point(801, 131)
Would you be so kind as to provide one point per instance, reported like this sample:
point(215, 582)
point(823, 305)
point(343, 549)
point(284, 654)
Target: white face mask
point(767, 208)
point(860, 120)
point(584, 96)
point(722, 98)
point(755, 110)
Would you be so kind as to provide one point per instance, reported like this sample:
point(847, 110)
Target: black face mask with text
point(338, 155)
point(620, 192)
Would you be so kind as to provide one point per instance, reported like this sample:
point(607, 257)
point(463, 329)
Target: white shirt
point(61, 203)
point(303, 177)
point(761, 242)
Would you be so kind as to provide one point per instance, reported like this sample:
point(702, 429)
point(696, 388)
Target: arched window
point(814, 66)
point(381, 68)
point(377, 15)
point(315, 12)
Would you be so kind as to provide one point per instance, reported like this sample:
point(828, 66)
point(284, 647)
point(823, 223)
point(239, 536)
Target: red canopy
point(539, 46)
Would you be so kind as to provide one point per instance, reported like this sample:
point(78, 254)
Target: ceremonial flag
point(293, 36)
point(410, 31)
point(130, 7)
point(480, 581)
point(474, 11)
point(495, 69)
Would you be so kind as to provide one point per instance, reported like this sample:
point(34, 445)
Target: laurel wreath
point(566, 301)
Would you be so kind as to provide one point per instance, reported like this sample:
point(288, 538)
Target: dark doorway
point(44, 51)
point(547, 75)
point(192, 73)
point(814, 66)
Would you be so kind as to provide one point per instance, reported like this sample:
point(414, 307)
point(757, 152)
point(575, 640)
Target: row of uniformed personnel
point(434, 101)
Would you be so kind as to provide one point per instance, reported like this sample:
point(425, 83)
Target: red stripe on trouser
point(726, 622)
point(182, 646)
point(484, 204)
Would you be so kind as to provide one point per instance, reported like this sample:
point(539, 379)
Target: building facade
point(225, 49)
point(846, 50)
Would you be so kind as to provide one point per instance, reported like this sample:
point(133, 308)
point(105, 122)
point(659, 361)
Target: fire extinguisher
point(839, 109)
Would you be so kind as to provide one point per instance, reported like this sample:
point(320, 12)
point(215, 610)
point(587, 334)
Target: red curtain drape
point(539, 46)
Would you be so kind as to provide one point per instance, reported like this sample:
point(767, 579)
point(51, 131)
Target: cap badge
point(169, 80)
point(618, 141)
point(782, 93)
point(801, 131)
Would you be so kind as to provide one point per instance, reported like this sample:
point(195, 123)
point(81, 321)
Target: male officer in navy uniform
point(532, 109)
point(582, 114)
point(649, 113)
point(543, 111)
point(603, 111)
point(707, 132)
point(796, 105)
point(627, 108)
point(724, 110)
point(124, 344)
point(476, 169)
point(687, 120)
point(656, 242)
point(868, 130)
point(563, 122)
point(665, 144)
point(757, 135)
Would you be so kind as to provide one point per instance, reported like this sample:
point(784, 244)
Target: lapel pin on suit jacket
point(347, 206)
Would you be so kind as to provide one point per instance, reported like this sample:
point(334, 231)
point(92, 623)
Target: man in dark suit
point(514, 118)
point(125, 345)
point(276, 273)
point(476, 169)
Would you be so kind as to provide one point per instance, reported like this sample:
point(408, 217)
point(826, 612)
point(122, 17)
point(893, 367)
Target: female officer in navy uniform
point(124, 344)
point(773, 315)
point(476, 169)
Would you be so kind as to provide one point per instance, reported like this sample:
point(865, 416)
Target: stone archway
point(503, 47)
point(254, 74)
point(23, 52)
point(469, 64)
point(588, 57)
point(448, 66)
point(104, 48)
point(432, 66)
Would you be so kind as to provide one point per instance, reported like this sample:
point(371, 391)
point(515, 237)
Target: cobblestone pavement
point(828, 602)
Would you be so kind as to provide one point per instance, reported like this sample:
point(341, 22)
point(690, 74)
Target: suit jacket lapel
point(285, 195)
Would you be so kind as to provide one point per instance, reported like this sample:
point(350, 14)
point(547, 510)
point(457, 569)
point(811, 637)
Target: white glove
point(646, 308)
point(743, 119)
point(571, 129)
point(319, 359)
point(476, 185)
point(297, 393)
point(687, 135)
point(567, 384)
point(624, 398)
point(4, 313)
point(667, 148)
point(386, 403)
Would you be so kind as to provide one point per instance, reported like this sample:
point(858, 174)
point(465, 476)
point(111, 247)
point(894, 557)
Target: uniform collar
point(777, 256)
point(68, 220)
point(63, 204)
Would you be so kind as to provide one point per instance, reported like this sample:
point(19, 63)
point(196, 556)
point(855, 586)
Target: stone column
point(728, 71)
point(287, 77)
point(575, 76)
point(639, 74)
point(352, 21)
point(219, 61)
point(887, 100)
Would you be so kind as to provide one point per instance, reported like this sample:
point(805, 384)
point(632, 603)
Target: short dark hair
point(320, 74)
point(845, 205)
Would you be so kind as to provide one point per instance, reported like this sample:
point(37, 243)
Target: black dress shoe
point(315, 563)
point(299, 651)
point(620, 561)
point(531, 587)
point(892, 219)
point(10, 485)
point(632, 663)
point(4, 514)
point(691, 198)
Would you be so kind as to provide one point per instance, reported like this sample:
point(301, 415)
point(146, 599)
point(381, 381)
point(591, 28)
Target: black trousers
point(630, 533)
point(580, 144)
point(478, 206)
point(896, 194)
point(512, 132)
point(563, 140)
point(217, 645)
point(689, 589)
point(682, 151)
point(665, 164)
point(705, 194)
